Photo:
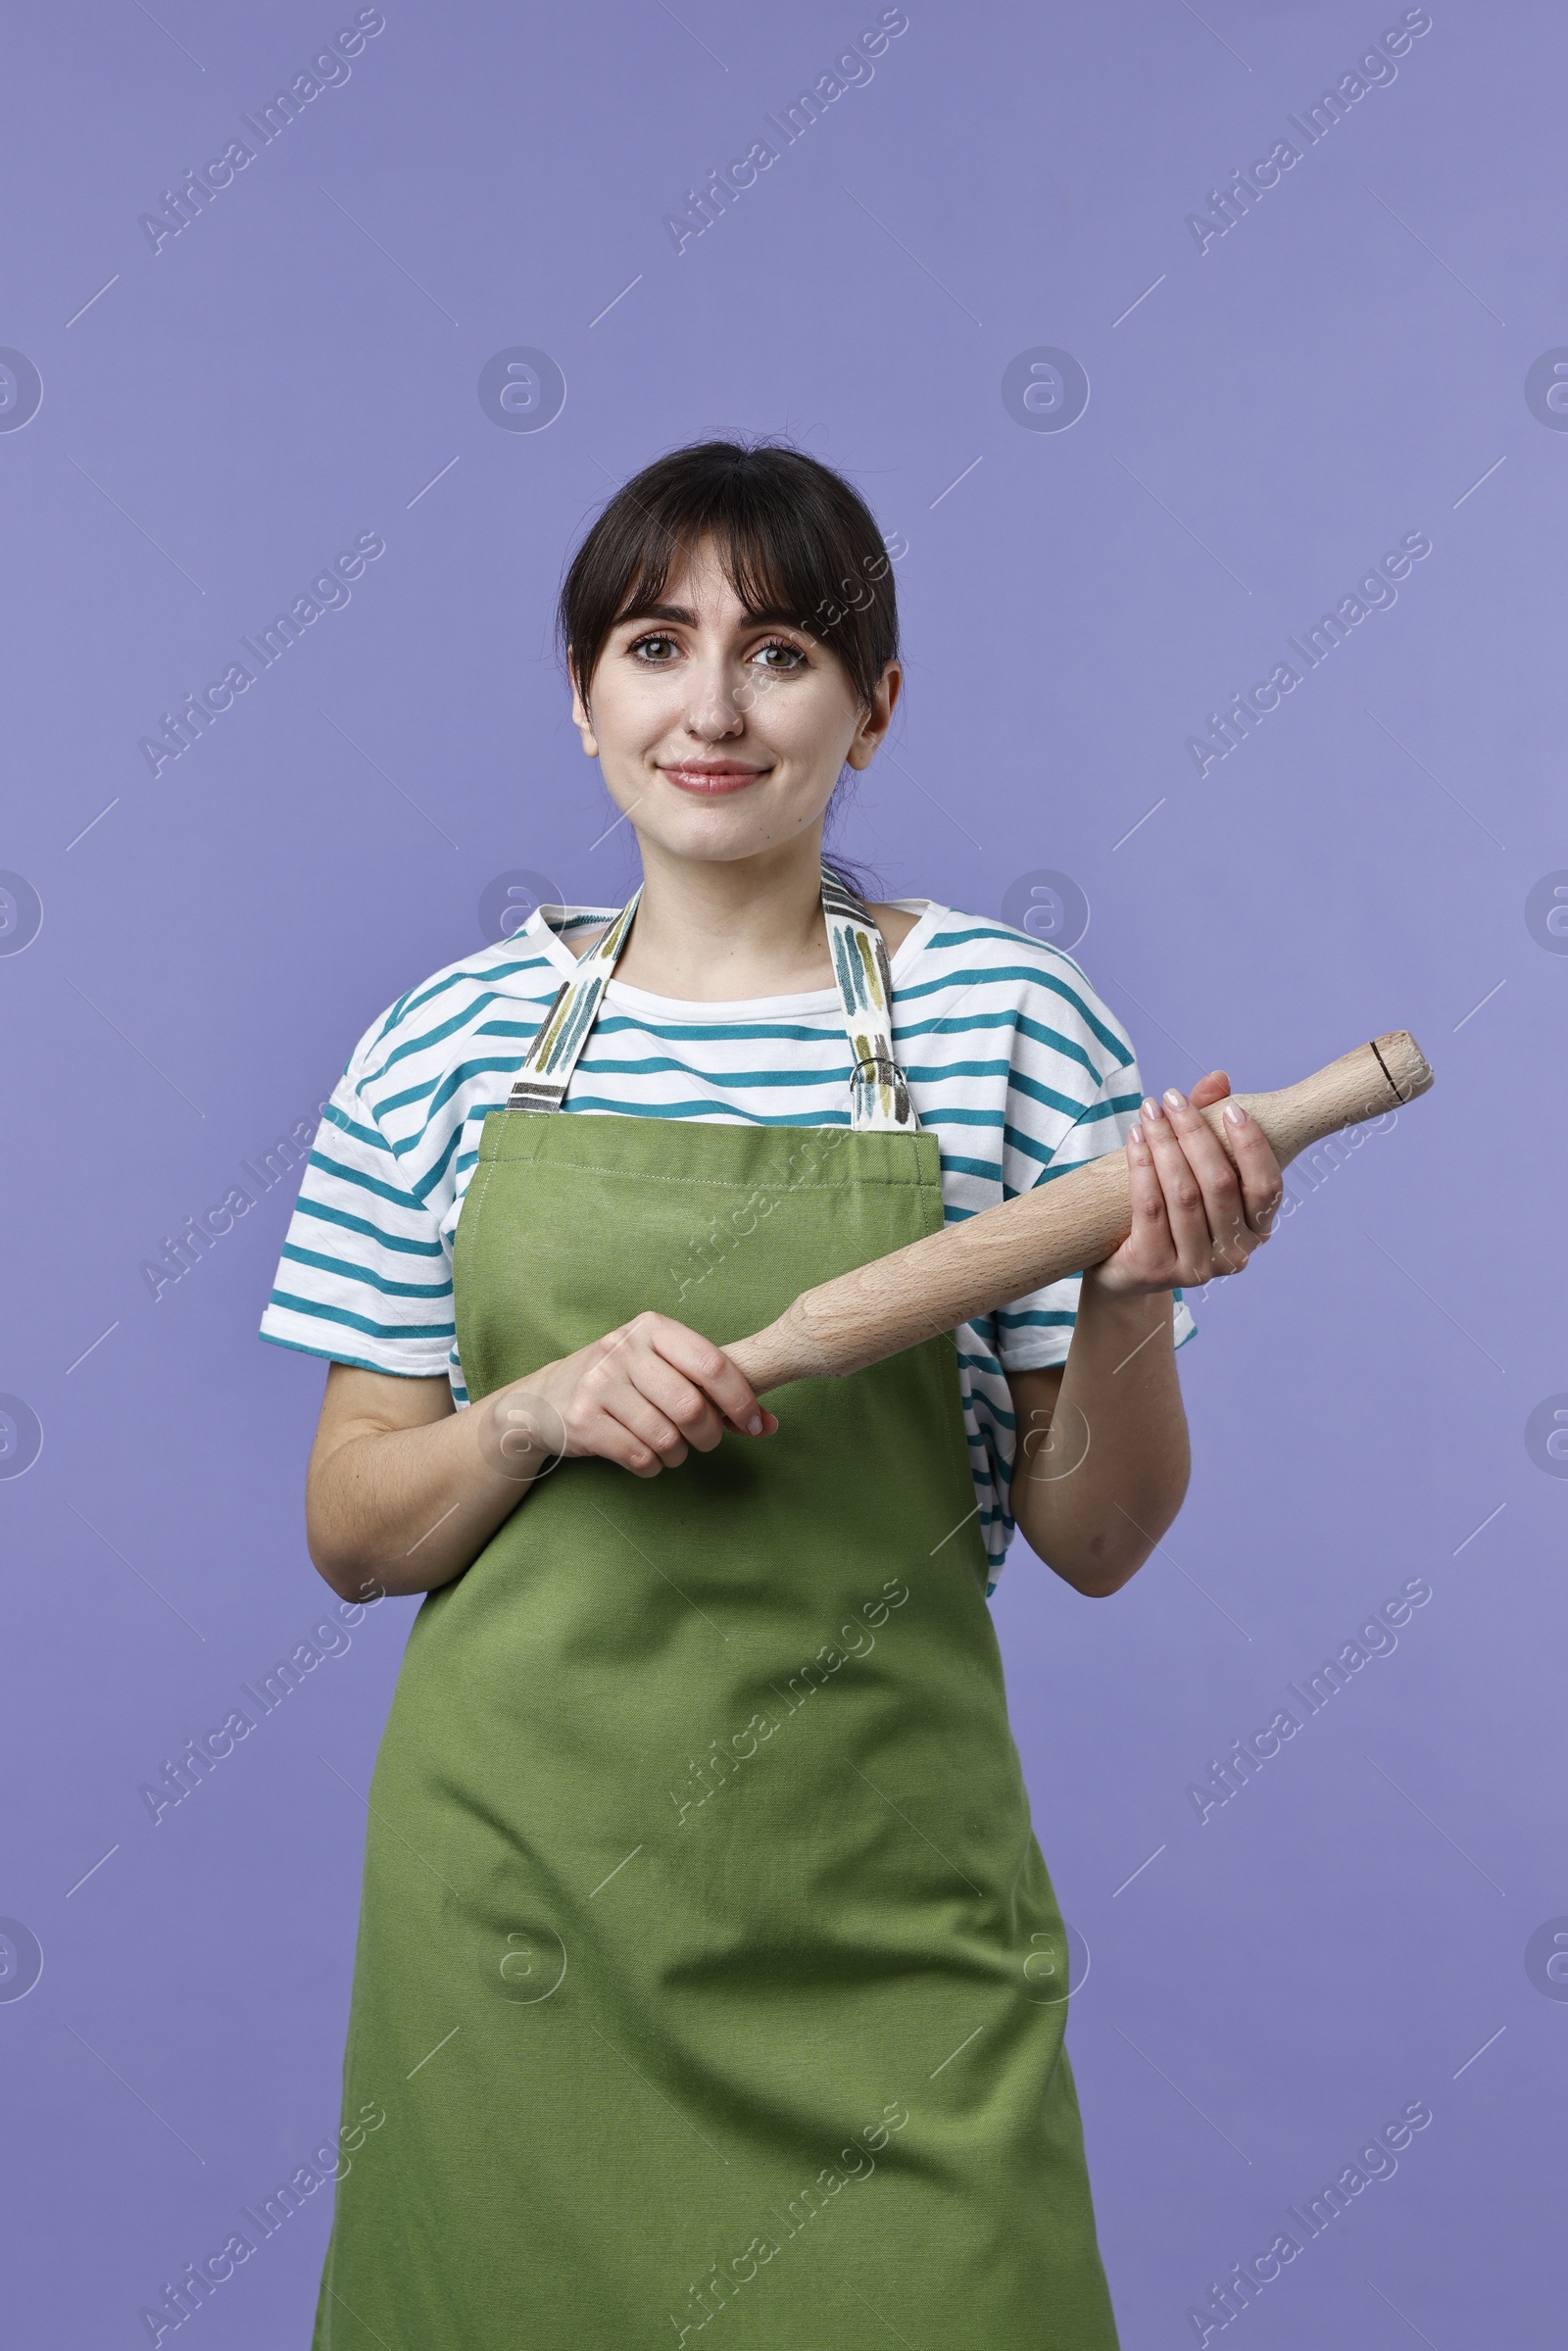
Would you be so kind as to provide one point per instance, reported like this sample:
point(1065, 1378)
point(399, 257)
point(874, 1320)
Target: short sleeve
point(365, 1277)
point(1035, 1332)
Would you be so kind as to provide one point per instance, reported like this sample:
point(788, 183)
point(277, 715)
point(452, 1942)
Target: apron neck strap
point(879, 1098)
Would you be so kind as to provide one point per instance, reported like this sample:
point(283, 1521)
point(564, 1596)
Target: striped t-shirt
point(1013, 1062)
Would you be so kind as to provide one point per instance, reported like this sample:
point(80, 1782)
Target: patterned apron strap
point(546, 1073)
point(879, 1098)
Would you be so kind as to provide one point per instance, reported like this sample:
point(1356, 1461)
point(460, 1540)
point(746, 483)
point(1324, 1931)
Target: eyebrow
point(774, 616)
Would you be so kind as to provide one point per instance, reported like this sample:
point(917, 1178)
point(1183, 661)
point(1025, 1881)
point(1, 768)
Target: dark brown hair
point(793, 537)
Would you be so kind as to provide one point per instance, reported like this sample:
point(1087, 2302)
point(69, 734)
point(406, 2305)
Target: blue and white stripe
point(1012, 1060)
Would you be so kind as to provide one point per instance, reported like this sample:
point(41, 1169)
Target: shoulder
point(988, 972)
point(499, 991)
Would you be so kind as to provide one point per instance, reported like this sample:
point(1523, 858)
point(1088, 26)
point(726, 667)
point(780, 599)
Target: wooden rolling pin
point(1058, 1228)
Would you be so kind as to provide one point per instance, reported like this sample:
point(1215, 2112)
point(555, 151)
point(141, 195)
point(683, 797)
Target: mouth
point(710, 779)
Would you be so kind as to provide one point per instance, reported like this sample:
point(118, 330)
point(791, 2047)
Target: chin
point(712, 843)
point(718, 830)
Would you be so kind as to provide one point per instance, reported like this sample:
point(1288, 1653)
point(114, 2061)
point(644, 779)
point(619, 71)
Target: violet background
point(1344, 366)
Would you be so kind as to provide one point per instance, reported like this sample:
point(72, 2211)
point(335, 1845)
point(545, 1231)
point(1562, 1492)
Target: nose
point(716, 701)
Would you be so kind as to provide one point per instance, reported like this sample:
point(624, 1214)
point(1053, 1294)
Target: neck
point(715, 929)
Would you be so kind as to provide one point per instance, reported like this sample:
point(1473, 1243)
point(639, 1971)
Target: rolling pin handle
point(1399, 1098)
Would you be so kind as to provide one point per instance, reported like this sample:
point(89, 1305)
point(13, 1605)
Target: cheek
point(808, 722)
point(633, 710)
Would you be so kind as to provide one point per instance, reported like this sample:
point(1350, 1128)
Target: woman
point(708, 1972)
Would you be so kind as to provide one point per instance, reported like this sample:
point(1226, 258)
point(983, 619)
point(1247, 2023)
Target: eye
point(796, 658)
point(652, 659)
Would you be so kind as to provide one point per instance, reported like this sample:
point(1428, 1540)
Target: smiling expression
point(721, 733)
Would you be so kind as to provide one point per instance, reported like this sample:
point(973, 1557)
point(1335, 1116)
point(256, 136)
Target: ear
point(876, 719)
point(584, 724)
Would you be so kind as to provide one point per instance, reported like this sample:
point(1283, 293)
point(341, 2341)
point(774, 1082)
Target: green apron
point(708, 1974)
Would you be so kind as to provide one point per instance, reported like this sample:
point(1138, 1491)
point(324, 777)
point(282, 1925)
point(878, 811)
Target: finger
point(769, 1427)
point(681, 1401)
point(1151, 1227)
point(712, 1371)
point(1262, 1183)
point(1218, 1180)
point(616, 1444)
point(648, 1428)
point(593, 1430)
point(1210, 1089)
point(1184, 1212)
point(611, 1396)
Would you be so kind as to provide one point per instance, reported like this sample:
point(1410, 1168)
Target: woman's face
point(722, 734)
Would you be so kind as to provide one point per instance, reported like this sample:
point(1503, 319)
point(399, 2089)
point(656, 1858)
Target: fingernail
point(753, 1427)
point(1235, 1115)
point(1177, 1101)
point(1151, 1108)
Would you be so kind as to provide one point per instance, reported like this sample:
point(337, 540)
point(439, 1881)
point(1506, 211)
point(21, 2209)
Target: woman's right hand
point(643, 1395)
point(393, 1501)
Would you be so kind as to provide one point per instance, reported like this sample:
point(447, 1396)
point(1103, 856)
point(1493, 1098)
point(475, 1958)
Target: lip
point(709, 781)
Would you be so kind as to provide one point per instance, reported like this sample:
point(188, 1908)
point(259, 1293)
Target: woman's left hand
point(1195, 1214)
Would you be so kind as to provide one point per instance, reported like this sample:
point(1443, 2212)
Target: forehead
point(697, 581)
point(699, 592)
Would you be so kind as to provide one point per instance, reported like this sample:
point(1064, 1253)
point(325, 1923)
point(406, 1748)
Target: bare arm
point(397, 1494)
point(1102, 1458)
point(404, 1492)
